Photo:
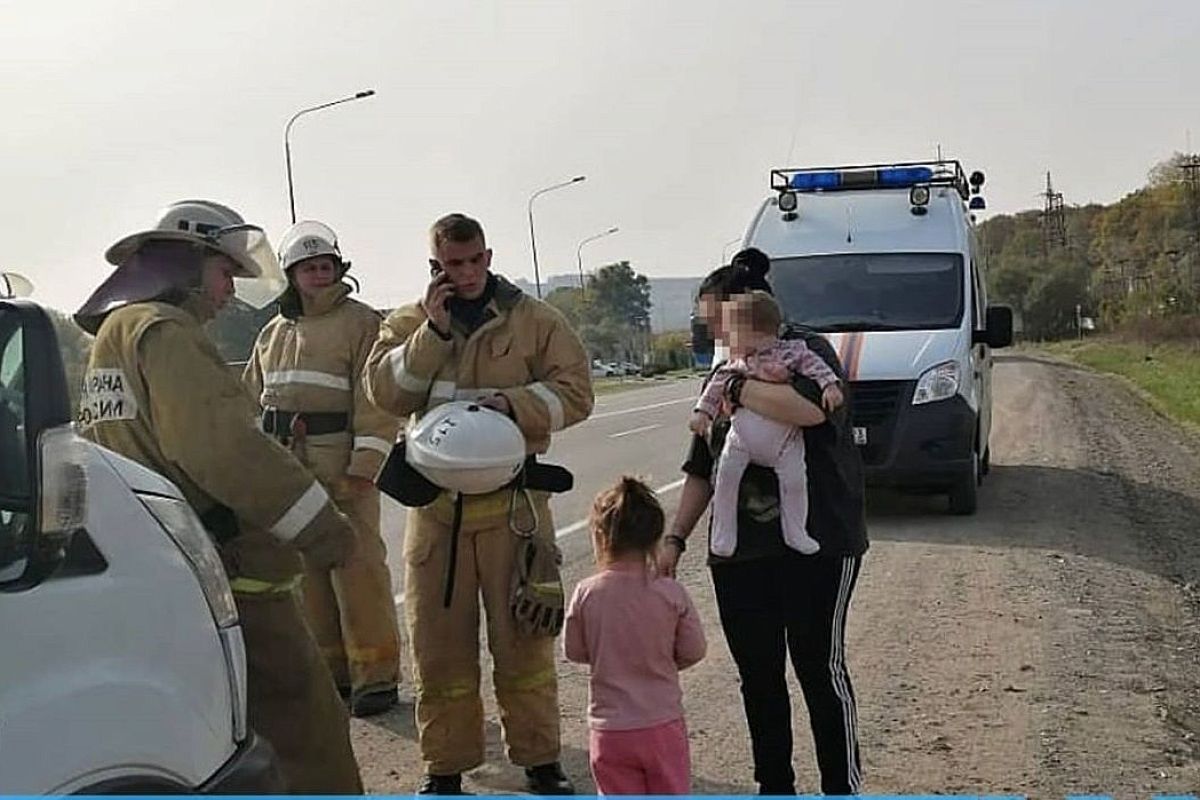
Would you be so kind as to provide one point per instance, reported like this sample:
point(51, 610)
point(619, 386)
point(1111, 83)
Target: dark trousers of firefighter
point(793, 605)
point(291, 698)
point(445, 641)
point(351, 610)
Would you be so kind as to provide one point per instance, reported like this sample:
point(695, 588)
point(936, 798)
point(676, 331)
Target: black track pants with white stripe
point(793, 605)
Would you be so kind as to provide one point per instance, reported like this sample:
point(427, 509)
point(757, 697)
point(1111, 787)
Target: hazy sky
point(675, 112)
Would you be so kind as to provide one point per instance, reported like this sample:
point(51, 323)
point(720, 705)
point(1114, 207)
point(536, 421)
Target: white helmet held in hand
point(465, 447)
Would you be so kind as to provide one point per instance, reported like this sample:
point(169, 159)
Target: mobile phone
point(435, 270)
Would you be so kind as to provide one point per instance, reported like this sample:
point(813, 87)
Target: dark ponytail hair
point(746, 272)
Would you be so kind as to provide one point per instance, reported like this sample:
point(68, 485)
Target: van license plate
point(860, 435)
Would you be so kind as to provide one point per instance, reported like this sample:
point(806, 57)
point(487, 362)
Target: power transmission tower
point(1054, 219)
point(1190, 173)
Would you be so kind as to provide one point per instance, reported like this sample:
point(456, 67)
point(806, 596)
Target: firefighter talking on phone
point(474, 336)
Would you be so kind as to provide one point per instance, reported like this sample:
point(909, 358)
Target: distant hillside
point(671, 298)
point(1136, 259)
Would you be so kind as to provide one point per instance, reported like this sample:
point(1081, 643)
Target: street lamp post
point(537, 278)
point(287, 147)
point(579, 252)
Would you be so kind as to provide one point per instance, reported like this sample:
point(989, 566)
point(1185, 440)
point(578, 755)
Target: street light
point(537, 278)
point(287, 147)
point(579, 251)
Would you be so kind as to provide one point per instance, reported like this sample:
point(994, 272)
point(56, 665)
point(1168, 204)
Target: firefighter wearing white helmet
point(476, 337)
point(157, 391)
point(305, 371)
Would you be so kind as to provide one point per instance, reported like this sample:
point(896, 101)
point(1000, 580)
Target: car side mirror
point(42, 477)
point(999, 328)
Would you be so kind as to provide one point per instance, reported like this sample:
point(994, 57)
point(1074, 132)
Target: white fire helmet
point(258, 279)
point(307, 239)
point(465, 447)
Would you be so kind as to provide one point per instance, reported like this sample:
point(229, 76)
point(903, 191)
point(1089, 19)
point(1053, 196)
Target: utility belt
point(286, 425)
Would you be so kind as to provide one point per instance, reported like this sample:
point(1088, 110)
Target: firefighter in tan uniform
point(183, 414)
point(306, 370)
point(475, 336)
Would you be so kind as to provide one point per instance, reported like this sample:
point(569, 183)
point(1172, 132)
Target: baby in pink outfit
point(753, 323)
point(636, 631)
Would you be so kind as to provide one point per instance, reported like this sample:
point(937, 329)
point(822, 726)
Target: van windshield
point(871, 291)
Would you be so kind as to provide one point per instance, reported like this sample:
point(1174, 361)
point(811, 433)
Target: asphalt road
point(1046, 646)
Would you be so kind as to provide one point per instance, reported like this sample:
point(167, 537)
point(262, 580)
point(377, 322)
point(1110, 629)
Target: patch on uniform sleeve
point(106, 397)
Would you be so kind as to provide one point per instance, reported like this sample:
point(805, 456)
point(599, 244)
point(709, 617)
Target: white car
point(602, 370)
point(122, 666)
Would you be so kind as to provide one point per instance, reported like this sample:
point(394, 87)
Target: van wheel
point(964, 494)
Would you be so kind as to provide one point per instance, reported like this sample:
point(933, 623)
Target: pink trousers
point(643, 761)
point(755, 439)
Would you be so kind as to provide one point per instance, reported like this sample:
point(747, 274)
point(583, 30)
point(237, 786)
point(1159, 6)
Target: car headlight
point(63, 482)
point(183, 526)
point(937, 383)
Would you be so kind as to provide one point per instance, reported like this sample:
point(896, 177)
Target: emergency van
point(122, 666)
point(883, 259)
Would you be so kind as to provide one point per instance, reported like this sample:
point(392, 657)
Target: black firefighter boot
point(374, 701)
point(441, 784)
point(548, 779)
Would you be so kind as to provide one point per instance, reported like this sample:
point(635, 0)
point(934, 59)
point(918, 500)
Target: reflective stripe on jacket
point(314, 363)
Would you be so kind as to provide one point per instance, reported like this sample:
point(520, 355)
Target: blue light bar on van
point(814, 181)
point(904, 176)
point(892, 177)
point(888, 175)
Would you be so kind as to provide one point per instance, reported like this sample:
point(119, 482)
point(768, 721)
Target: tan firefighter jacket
point(313, 362)
point(524, 350)
point(198, 428)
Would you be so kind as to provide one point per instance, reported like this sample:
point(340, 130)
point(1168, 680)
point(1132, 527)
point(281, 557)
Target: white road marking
point(578, 525)
point(642, 429)
point(607, 414)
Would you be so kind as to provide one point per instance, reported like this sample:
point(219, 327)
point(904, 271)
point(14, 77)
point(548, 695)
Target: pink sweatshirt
point(636, 631)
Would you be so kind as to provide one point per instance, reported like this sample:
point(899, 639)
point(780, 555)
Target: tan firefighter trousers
point(445, 641)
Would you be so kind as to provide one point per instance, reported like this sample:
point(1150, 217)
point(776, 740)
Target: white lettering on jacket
point(106, 397)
